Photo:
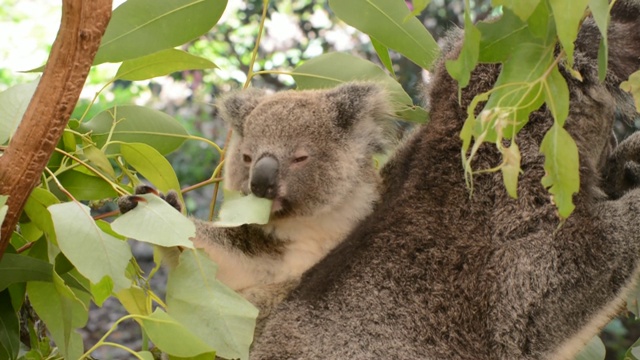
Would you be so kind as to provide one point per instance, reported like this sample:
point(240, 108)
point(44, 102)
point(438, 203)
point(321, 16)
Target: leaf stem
point(117, 188)
point(95, 97)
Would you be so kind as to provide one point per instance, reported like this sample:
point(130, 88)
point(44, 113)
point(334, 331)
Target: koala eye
point(300, 159)
point(246, 158)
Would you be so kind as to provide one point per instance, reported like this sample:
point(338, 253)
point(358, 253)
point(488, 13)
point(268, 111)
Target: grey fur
point(436, 274)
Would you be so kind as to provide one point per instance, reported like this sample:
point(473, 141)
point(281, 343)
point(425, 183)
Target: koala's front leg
point(129, 202)
point(622, 170)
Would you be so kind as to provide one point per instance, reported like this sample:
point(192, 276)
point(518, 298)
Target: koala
point(311, 152)
point(435, 273)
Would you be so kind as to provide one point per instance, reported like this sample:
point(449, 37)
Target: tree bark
point(81, 29)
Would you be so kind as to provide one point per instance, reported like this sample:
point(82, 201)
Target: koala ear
point(356, 101)
point(235, 107)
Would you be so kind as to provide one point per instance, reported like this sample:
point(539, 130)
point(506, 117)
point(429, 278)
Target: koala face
point(305, 150)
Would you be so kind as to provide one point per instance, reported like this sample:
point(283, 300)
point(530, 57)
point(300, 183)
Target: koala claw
point(129, 202)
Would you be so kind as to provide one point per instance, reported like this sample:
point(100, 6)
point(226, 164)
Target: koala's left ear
point(354, 102)
point(235, 107)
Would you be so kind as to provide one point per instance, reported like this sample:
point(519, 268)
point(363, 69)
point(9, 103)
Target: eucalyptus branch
point(117, 188)
point(95, 97)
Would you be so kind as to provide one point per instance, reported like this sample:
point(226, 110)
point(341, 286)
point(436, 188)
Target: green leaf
point(16, 268)
point(146, 355)
point(13, 104)
point(383, 55)
point(561, 165)
point(238, 209)
point(496, 45)
point(102, 290)
point(600, 11)
point(137, 124)
point(99, 160)
point(143, 27)
point(568, 16)
point(517, 93)
point(152, 165)
point(222, 318)
point(384, 20)
point(556, 95)
point(36, 209)
point(135, 300)
point(3, 207)
point(161, 63)
point(321, 72)
point(9, 328)
point(155, 221)
point(93, 252)
point(460, 69)
point(523, 9)
point(418, 7)
point(633, 86)
point(172, 337)
point(62, 313)
point(633, 303)
point(511, 169)
point(594, 350)
point(86, 187)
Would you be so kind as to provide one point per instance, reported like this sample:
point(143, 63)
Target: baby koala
point(311, 152)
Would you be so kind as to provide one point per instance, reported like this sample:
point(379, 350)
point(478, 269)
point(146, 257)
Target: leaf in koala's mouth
point(238, 209)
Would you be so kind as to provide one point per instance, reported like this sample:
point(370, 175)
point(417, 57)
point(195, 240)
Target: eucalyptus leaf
point(9, 328)
point(561, 166)
point(419, 6)
point(460, 69)
point(511, 169)
point(220, 317)
point(163, 62)
point(152, 165)
point(3, 207)
point(86, 187)
point(390, 22)
point(16, 268)
point(556, 95)
point(238, 209)
point(523, 9)
point(633, 86)
point(154, 221)
point(383, 55)
point(93, 252)
point(135, 124)
point(99, 160)
point(143, 27)
point(594, 350)
point(102, 290)
point(322, 72)
point(135, 300)
point(600, 11)
point(36, 209)
point(172, 337)
point(13, 104)
point(568, 16)
point(62, 314)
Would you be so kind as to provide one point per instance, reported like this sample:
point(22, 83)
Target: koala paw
point(129, 202)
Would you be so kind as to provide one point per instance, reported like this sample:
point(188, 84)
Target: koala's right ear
point(235, 107)
point(358, 100)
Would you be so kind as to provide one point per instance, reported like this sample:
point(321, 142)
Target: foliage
point(63, 256)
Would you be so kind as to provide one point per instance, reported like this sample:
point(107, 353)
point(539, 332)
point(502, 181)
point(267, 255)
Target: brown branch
point(83, 24)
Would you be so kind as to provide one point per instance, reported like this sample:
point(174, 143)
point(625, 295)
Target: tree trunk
point(21, 165)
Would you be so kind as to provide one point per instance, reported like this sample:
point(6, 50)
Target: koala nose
point(264, 178)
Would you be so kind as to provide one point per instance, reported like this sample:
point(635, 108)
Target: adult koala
point(311, 152)
point(436, 274)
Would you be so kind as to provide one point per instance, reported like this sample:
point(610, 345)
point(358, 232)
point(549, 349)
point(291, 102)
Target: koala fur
point(311, 153)
point(434, 273)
